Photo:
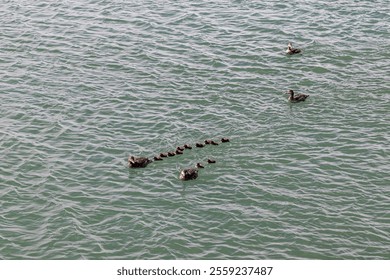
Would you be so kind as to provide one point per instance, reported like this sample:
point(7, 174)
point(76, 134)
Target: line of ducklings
point(185, 174)
point(292, 97)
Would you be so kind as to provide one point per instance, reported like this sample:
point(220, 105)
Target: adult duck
point(190, 173)
point(291, 50)
point(296, 98)
point(138, 162)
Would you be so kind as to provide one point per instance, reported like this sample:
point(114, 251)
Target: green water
point(86, 84)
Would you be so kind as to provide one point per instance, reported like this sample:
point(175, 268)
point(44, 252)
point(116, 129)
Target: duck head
point(290, 92)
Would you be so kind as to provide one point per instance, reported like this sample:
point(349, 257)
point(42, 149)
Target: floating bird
point(163, 155)
point(213, 142)
point(179, 152)
point(180, 148)
point(211, 161)
point(296, 98)
point(291, 50)
point(199, 145)
point(171, 154)
point(157, 158)
point(139, 162)
point(208, 142)
point(187, 147)
point(190, 173)
point(224, 140)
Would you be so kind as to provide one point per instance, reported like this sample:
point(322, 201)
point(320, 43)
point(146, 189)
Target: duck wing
point(301, 97)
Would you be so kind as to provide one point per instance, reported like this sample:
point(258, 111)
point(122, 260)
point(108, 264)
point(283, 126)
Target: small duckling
point(213, 142)
point(186, 146)
point(163, 155)
point(208, 141)
point(139, 162)
point(157, 158)
point(224, 140)
point(291, 50)
point(190, 173)
point(179, 152)
point(296, 98)
point(171, 154)
point(180, 148)
point(211, 161)
point(199, 145)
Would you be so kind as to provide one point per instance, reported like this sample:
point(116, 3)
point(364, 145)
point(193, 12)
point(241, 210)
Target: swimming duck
point(187, 147)
point(211, 161)
point(180, 148)
point(139, 162)
point(179, 152)
point(163, 155)
point(291, 50)
point(224, 140)
point(157, 158)
point(190, 173)
point(213, 142)
point(199, 145)
point(296, 98)
point(171, 154)
point(208, 142)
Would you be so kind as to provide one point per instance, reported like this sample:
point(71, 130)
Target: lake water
point(85, 84)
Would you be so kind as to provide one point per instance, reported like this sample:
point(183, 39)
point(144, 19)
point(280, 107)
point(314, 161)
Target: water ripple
point(84, 86)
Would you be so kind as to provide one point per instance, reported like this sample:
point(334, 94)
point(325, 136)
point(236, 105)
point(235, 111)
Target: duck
point(291, 50)
point(186, 146)
point(138, 162)
point(190, 173)
point(157, 158)
point(224, 140)
point(180, 148)
point(213, 142)
point(179, 152)
point(211, 161)
point(199, 145)
point(296, 98)
point(208, 142)
point(171, 154)
point(163, 155)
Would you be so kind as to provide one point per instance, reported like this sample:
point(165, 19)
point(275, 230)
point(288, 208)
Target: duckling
point(291, 50)
point(190, 173)
point(139, 162)
point(171, 154)
point(224, 140)
point(187, 147)
point(213, 142)
point(296, 98)
point(211, 161)
point(157, 158)
point(163, 155)
point(208, 142)
point(180, 148)
point(179, 152)
point(199, 145)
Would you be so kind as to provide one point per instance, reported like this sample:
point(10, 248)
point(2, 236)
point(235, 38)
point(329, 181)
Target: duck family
point(192, 173)
point(142, 162)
